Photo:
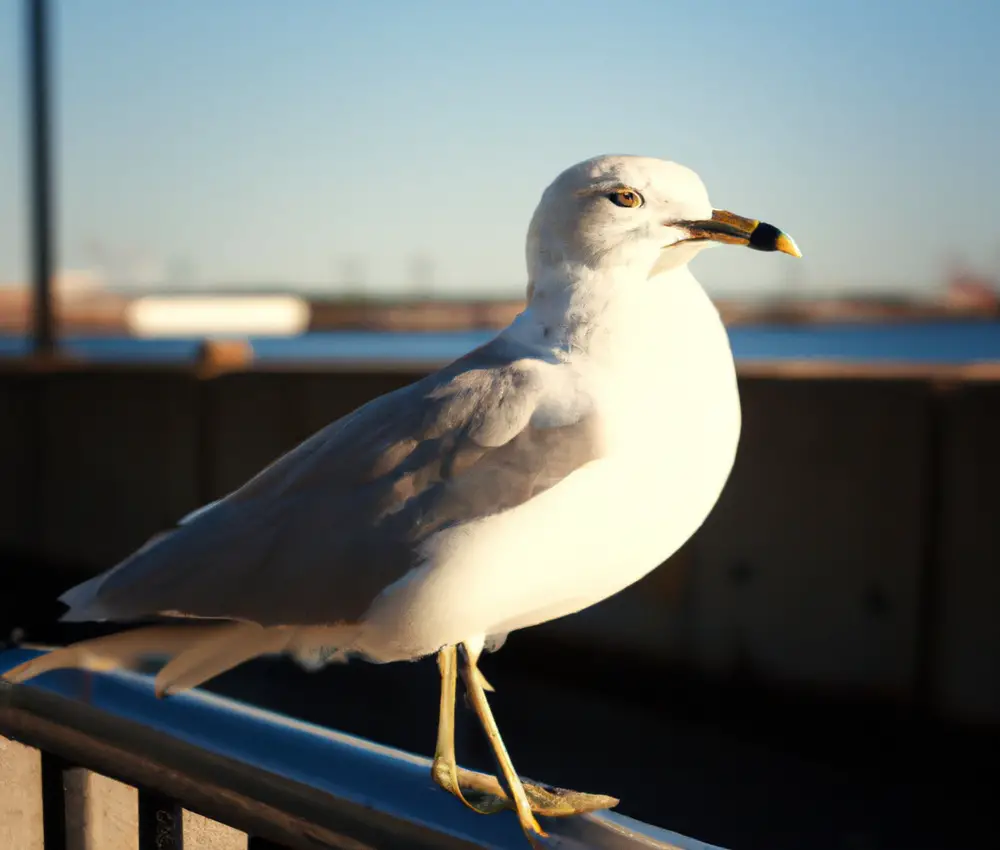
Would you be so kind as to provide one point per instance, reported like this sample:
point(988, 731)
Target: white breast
point(672, 419)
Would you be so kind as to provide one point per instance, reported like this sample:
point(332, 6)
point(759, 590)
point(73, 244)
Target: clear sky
point(315, 141)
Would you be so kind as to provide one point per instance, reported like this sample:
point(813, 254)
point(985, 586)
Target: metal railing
point(282, 782)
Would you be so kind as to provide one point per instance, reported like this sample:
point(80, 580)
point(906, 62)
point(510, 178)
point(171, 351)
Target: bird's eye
point(626, 198)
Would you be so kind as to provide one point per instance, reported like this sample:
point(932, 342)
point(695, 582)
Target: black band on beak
point(733, 229)
point(765, 237)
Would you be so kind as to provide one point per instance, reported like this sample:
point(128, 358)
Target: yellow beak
point(734, 229)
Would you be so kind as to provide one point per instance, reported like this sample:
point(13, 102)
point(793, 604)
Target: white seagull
point(535, 476)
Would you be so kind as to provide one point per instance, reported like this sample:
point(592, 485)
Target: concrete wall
point(966, 623)
point(18, 505)
point(809, 569)
point(101, 813)
point(856, 547)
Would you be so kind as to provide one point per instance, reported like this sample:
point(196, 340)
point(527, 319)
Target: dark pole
point(39, 153)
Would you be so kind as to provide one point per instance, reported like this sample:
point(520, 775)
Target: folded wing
point(315, 537)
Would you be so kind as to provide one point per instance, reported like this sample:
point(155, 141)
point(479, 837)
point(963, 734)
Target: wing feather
point(314, 537)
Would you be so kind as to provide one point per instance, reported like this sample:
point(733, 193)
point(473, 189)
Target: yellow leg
point(515, 789)
point(483, 793)
point(479, 791)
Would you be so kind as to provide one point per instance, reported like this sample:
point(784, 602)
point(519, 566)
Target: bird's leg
point(479, 791)
point(482, 793)
point(514, 788)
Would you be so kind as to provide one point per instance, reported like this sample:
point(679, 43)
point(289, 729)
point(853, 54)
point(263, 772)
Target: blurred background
point(224, 224)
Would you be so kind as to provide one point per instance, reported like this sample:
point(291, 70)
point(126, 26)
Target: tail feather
point(213, 655)
point(196, 653)
point(122, 649)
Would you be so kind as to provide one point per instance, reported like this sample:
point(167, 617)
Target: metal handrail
point(293, 783)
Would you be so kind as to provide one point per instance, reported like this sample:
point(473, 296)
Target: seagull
point(531, 478)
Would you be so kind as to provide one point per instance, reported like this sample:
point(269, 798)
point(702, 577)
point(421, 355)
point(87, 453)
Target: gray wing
point(317, 535)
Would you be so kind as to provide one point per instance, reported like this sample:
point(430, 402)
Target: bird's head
point(631, 211)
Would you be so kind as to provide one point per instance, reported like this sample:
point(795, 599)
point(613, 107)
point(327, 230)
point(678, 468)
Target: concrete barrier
point(854, 549)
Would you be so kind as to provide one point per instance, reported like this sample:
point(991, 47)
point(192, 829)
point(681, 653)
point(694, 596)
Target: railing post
point(53, 802)
point(161, 825)
point(40, 157)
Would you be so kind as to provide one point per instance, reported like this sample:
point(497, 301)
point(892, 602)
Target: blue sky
point(257, 140)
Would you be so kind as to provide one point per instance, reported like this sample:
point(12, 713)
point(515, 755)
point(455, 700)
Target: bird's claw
point(484, 794)
point(479, 792)
point(561, 802)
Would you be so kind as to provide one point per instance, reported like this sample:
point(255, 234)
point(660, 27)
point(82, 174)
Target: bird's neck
point(609, 316)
